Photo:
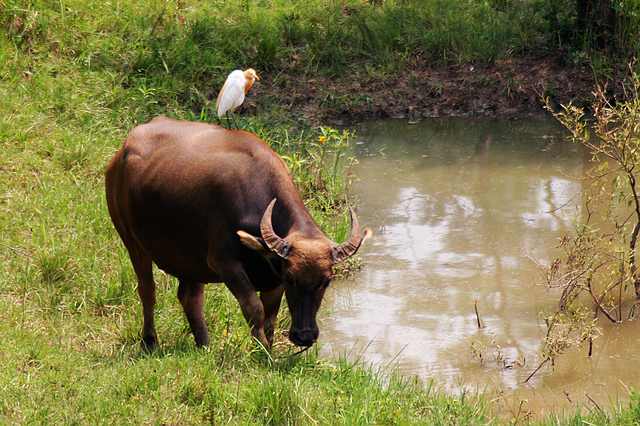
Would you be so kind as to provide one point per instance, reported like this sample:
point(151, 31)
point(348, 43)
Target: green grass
point(69, 314)
point(70, 319)
point(158, 56)
point(75, 77)
point(86, 367)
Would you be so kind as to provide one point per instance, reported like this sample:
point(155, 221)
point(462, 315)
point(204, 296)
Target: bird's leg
point(214, 112)
point(228, 120)
point(235, 122)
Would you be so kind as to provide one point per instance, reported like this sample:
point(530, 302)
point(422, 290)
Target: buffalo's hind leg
point(191, 296)
point(147, 291)
point(117, 202)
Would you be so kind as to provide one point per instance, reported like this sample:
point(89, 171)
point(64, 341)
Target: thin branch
point(621, 271)
point(475, 307)
point(593, 402)
point(533, 373)
point(634, 235)
point(598, 302)
point(562, 206)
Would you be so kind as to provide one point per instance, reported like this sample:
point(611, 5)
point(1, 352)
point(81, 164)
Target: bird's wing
point(231, 95)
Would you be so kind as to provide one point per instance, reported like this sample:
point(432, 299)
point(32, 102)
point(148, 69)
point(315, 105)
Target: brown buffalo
point(208, 204)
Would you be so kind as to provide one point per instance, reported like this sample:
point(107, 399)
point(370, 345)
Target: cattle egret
point(234, 90)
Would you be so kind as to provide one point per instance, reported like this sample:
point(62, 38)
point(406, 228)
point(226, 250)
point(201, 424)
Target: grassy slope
point(74, 78)
point(69, 317)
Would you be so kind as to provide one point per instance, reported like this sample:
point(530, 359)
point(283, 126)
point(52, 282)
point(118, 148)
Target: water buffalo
point(207, 204)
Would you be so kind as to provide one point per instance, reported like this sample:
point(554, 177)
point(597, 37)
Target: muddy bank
point(512, 87)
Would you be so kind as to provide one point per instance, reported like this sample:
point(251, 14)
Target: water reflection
point(460, 208)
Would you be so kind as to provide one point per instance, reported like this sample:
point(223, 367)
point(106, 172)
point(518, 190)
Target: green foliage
point(334, 38)
point(597, 272)
point(181, 51)
point(612, 26)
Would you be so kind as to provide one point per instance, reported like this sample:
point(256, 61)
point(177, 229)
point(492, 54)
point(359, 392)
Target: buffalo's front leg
point(191, 296)
point(271, 303)
point(238, 283)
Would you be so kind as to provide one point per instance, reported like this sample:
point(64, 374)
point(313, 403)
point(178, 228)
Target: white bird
point(235, 88)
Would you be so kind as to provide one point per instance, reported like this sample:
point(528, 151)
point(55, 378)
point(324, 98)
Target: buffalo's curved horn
point(351, 246)
point(278, 245)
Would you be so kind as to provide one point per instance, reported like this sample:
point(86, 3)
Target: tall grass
point(178, 52)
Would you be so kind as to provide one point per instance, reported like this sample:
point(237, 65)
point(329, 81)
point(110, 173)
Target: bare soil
point(506, 88)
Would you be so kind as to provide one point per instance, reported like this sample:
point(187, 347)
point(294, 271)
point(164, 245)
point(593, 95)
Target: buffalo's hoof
point(149, 343)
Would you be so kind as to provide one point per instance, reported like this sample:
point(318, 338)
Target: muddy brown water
point(459, 209)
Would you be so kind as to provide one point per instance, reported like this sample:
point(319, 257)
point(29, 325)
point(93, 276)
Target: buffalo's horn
point(350, 247)
point(279, 245)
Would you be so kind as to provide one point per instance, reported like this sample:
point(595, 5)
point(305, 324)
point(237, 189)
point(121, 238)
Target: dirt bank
point(512, 87)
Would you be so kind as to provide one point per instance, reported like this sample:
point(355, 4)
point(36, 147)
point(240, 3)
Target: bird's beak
point(257, 78)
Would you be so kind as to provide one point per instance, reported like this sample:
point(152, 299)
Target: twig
point(599, 302)
point(567, 395)
point(593, 402)
point(562, 206)
point(634, 234)
point(620, 292)
point(536, 370)
point(475, 307)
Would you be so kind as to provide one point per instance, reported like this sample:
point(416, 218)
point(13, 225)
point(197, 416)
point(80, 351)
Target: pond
point(463, 211)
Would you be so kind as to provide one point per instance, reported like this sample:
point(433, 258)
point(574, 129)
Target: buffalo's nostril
point(304, 337)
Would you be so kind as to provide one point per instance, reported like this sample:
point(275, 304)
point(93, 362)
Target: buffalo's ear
point(254, 243)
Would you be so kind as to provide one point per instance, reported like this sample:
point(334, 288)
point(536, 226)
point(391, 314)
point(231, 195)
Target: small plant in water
point(487, 348)
point(597, 273)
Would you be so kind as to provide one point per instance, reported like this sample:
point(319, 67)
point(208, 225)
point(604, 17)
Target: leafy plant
point(598, 270)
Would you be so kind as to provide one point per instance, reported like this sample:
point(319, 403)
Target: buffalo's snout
point(303, 337)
